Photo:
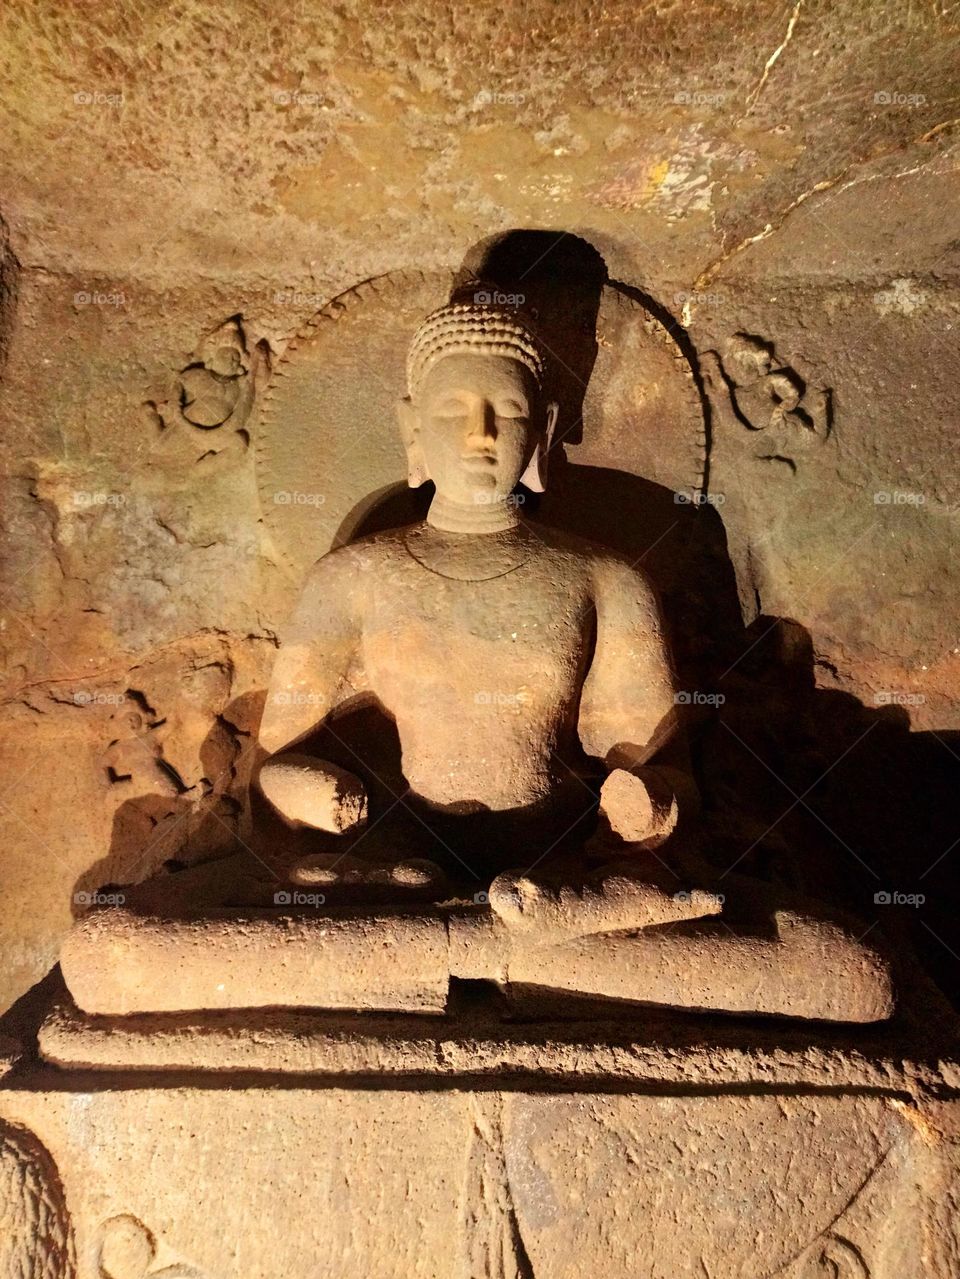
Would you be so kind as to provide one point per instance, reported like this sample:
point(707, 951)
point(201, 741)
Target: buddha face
point(475, 426)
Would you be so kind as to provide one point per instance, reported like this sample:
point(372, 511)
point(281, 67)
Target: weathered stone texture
point(182, 189)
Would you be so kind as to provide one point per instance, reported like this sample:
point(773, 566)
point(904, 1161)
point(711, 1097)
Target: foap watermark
point(893, 98)
point(286, 897)
point(499, 98)
point(294, 297)
point(97, 497)
point(898, 497)
point(97, 98)
point(497, 697)
point(91, 697)
point(698, 698)
point(510, 500)
point(895, 898)
point(699, 97)
point(492, 297)
point(297, 98)
point(98, 898)
point(95, 297)
point(294, 498)
point(715, 899)
point(682, 297)
point(296, 697)
point(696, 497)
point(893, 697)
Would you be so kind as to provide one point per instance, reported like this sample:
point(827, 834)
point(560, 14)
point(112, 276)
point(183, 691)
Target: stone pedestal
point(476, 1146)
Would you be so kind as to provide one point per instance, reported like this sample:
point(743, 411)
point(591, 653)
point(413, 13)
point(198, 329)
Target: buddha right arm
point(317, 669)
point(317, 665)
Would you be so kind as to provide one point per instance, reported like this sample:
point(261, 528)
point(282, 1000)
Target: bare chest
point(442, 643)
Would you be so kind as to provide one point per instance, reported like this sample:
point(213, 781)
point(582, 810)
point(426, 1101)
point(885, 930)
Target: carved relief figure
point(507, 653)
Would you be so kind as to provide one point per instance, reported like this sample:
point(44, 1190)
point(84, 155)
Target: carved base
point(479, 1146)
point(485, 1040)
point(322, 1180)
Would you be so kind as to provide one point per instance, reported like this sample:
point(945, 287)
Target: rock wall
point(181, 188)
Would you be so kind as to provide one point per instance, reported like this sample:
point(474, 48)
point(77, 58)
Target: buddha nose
point(481, 427)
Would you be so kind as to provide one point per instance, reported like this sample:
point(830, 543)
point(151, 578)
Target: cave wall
point(182, 187)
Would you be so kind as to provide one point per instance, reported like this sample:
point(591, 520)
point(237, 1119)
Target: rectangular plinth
point(312, 1144)
point(320, 1181)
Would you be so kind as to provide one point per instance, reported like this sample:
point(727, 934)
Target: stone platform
point(481, 1146)
point(481, 1041)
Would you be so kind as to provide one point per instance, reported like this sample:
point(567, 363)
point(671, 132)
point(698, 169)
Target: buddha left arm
point(627, 709)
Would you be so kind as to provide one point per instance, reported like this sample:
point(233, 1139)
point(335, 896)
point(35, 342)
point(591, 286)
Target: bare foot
point(610, 902)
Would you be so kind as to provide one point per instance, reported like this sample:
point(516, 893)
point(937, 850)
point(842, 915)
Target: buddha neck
point(472, 517)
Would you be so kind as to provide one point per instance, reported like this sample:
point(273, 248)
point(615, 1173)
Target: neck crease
point(456, 517)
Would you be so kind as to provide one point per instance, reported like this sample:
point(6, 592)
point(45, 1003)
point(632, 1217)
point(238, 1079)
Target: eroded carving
point(767, 395)
point(36, 1236)
point(831, 1257)
point(215, 396)
point(491, 1246)
point(128, 1250)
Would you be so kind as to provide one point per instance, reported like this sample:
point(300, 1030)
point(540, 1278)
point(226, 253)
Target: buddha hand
point(312, 792)
point(640, 806)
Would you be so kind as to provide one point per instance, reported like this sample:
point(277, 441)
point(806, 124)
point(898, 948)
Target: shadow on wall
point(804, 788)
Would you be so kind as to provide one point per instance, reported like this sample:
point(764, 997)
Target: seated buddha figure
point(529, 680)
point(508, 654)
point(514, 660)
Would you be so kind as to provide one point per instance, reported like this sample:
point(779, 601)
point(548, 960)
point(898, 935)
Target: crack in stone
point(709, 273)
point(772, 60)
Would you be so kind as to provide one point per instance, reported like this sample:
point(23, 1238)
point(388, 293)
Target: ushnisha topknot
point(472, 328)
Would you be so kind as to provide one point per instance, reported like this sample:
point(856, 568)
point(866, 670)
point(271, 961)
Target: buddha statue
point(529, 679)
point(508, 654)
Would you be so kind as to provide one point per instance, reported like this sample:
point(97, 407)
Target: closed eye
point(511, 408)
point(450, 409)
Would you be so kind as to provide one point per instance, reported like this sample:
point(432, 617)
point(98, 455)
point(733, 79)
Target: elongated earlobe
point(534, 477)
point(408, 419)
point(417, 473)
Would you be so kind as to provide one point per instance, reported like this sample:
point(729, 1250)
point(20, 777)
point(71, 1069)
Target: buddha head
point(475, 420)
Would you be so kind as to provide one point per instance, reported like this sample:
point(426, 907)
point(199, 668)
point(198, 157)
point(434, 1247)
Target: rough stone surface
point(499, 1182)
point(183, 190)
point(322, 796)
point(645, 1048)
point(117, 962)
point(635, 813)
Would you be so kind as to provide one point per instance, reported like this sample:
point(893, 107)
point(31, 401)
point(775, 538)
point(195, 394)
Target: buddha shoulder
point(338, 581)
point(346, 563)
